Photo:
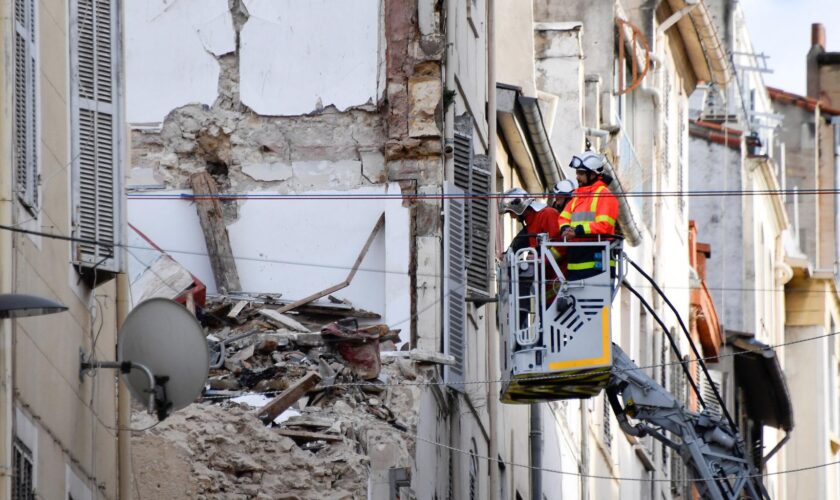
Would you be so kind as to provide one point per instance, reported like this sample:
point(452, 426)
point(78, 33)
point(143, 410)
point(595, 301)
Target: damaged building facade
point(334, 151)
point(310, 140)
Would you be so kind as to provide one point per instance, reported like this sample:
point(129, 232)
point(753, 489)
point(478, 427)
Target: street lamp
point(14, 305)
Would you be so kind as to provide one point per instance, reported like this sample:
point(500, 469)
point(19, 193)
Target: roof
point(718, 133)
point(759, 373)
point(807, 103)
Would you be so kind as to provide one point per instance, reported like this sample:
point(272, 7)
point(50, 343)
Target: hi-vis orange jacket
point(593, 208)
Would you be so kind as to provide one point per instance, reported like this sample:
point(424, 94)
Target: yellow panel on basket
point(605, 357)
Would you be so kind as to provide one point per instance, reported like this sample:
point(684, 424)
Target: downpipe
point(536, 441)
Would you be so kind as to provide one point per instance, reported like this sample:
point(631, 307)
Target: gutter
point(523, 129)
point(546, 161)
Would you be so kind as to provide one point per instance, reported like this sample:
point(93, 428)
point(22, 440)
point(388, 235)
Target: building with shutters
point(385, 116)
point(619, 75)
point(62, 144)
point(809, 148)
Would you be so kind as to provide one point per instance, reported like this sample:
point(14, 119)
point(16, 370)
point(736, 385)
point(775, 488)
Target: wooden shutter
point(472, 174)
point(709, 398)
point(478, 268)
point(96, 129)
point(454, 285)
point(26, 104)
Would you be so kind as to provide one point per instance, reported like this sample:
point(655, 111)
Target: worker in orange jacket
point(537, 218)
point(534, 214)
point(592, 211)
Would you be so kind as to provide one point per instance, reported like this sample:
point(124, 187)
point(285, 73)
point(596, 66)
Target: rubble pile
point(293, 408)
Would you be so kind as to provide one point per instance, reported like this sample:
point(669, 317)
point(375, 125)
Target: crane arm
point(710, 448)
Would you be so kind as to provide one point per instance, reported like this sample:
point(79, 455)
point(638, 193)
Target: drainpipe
point(449, 86)
point(536, 438)
point(493, 340)
point(835, 124)
point(7, 263)
point(123, 401)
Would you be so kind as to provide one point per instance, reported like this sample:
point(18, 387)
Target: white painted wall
point(170, 47)
point(296, 57)
point(294, 247)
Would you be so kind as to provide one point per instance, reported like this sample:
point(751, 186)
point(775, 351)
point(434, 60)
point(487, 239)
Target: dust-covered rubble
point(319, 446)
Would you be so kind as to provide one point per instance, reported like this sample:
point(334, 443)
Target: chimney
point(813, 71)
point(818, 35)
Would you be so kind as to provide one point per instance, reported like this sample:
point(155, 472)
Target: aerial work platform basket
point(555, 332)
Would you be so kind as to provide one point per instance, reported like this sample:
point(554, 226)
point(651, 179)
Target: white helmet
point(516, 200)
point(564, 187)
point(588, 160)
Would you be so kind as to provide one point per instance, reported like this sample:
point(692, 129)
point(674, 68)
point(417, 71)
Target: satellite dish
point(162, 337)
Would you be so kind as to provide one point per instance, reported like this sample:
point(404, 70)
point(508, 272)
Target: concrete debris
point(285, 414)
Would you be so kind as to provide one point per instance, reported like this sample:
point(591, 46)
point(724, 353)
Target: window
point(26, 105)
point(96, 138)
point(474, 468)
point(23, 487)
point(472, 175)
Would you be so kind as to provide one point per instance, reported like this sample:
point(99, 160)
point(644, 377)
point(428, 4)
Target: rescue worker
point(537, 218)
point(561, 194)
point(592, 211)
point(534, 214)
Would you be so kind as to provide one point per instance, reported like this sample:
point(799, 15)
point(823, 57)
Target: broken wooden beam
point(306, 436)
point(288, 397)
point(344, 284)
point(215, 232)
point(282, 320)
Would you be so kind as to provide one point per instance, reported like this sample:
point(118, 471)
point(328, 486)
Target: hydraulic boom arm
point(709, 447)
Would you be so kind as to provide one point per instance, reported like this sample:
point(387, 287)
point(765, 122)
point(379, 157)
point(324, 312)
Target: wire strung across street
point(404, 384)
point(467, 196)
point(341, 267)
point(558, 376)
point(600, 476)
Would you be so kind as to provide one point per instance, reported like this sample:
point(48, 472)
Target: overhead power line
point(467, 196)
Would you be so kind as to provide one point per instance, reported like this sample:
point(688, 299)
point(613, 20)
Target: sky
point(782, 30)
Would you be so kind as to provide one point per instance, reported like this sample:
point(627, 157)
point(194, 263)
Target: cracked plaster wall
point(389, 142)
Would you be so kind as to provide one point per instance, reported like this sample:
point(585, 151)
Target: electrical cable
point(600, 476)
point(690, 342)
point(554, 377)
point(465, 196)
point(671, 340)
point(74, 239)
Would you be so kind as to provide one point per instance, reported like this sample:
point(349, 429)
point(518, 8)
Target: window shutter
point(96, 141)
point(709, 398)
point(478, 269)
point(25, 104)
point(454, 288)
point(607, 435)
point(472, 174)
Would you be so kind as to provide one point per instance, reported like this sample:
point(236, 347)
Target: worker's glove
point(579, 231)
